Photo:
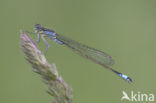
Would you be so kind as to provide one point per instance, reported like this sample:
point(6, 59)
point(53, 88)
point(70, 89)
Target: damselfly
point(92, 54)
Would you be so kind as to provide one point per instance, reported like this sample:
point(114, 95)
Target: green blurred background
point(125, 29)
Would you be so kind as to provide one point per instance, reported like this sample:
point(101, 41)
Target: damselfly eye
point(37, 28)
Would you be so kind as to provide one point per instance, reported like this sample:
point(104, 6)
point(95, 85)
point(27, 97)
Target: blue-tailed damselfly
point(94, 55)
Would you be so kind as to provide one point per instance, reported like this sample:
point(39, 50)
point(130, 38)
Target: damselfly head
point(37, 28)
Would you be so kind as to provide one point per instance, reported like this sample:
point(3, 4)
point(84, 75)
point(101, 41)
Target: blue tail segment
point(125, 77)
